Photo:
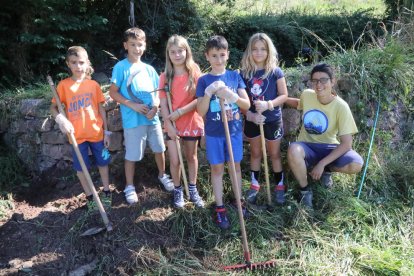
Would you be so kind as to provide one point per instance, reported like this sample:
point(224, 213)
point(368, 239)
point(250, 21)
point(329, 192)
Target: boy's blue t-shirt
point(213, 122)
point(265, 90)
point(142, 79)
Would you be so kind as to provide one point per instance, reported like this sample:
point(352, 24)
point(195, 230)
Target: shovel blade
point(92, 231)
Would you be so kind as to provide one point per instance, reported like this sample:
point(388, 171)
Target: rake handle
point(235, 184)
point(85, 171)
point(266, 167)
point(178, 145)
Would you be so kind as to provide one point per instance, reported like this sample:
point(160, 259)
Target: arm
point(282, 93)
point(243, 102)
point(183, 110)
point(203, 104)
point(107, 134)
point(292, 102)
point(114, 93)
point(344, 146)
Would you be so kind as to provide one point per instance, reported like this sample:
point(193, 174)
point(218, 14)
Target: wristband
point(107, 132)
point(270, 105)
point(179, 111)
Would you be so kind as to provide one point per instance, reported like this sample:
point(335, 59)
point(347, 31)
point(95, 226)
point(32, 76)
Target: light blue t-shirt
point(142, 80)
point(213, 122)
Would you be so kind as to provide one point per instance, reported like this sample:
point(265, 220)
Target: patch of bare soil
point(41, 236)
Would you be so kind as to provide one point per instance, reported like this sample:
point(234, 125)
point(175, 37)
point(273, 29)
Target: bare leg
point(273, 147)
point(217, 181)
point(296, 160)
point(351, 168)
point(104, 172)
point(174, 162)
point(160, 160)
point(84, 183)
point(255, 153)
point(129, 172)
point(190, 150)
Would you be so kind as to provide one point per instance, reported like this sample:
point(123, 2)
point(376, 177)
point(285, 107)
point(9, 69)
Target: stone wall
point(41, 146)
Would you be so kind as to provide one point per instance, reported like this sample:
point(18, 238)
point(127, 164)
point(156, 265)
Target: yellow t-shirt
point(324, 123)
point(82, 100)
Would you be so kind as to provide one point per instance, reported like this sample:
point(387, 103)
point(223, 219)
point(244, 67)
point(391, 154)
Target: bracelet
point(107, 132)
point(179, 111)
point(270, 105)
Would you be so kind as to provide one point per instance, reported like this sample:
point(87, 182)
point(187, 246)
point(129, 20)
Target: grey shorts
point(136, 140)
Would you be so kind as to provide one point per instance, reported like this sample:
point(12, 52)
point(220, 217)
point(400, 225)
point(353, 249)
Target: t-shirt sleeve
point(162, 85)
point(346, 122)
point(201, 87)
point(117, 75)
point(279, 73)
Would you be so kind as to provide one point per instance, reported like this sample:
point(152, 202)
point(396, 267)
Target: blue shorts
point(96, 149)
point(314, 152)
point(216, 149)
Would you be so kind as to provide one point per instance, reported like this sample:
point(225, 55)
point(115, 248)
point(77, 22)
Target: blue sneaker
point(178, 197)
point(306, 198)
point(326, 180)
point(195, 197)
point(279, 194)
point(221, 218)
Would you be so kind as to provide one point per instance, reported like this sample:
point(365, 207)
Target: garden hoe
point(266, 168)
point(108, 224)
point(177, 142)
point(236, 190)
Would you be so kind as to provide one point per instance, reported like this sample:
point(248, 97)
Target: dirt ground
point(40, 236)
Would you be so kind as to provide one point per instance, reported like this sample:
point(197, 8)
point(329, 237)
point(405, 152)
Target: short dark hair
point(134, 33)
point(216, 42)
point(324, 68)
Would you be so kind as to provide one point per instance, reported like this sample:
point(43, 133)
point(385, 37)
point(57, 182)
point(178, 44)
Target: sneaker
point(221, 218)
point(167, 182)
point(130, 194)
point(326, 180)
point(106, 199)
point(196, 198)
point(178, 198)
point(279, 194)
point(306, 199)
point(251, 195)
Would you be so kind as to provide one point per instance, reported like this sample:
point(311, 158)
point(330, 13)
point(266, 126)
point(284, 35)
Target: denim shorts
point(314, 152)
point(96, 149)
point(216, 149)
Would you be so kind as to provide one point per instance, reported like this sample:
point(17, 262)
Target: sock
point(89, 197)
point(218, 207)
point(178, 188)
point(278, 176)
point(255, 179)
point(107, 193)
point(304, 189)
point(192, 187)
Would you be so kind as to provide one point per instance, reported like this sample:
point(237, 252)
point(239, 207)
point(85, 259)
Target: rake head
point(251, 266)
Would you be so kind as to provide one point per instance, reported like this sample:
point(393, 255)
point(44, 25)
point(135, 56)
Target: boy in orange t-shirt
point(86, 119)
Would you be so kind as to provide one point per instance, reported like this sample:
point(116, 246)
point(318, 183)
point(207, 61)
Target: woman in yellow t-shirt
point(324, 144)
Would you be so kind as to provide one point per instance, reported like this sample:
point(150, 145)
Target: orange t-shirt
point(82, 100)
point(191, 123)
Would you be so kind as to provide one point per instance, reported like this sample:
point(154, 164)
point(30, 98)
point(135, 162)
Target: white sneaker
point(130, 194)
point(167, 182)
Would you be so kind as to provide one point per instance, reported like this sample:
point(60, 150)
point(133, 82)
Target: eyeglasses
point(321, 80)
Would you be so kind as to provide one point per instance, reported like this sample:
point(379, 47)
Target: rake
point(108, 224)
point(248, 265)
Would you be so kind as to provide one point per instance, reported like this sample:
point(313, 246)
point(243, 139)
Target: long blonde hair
point(248, 66)
point(191, 67)
point(78, 51)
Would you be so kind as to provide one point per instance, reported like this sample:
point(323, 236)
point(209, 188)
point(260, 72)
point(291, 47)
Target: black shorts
point(272, 130)
point(184, 138)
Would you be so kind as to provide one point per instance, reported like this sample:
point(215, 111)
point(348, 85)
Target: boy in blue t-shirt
point(134, 85)
point(229, 86)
